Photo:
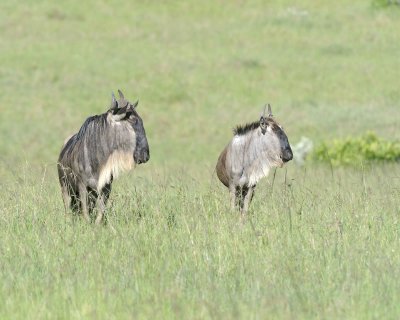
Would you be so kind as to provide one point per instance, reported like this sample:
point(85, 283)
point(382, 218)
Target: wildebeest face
point(273, 131)
point(286, 150)
point(142, 152)
point(123, 110)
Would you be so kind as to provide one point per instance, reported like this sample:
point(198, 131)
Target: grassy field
point(320, 242)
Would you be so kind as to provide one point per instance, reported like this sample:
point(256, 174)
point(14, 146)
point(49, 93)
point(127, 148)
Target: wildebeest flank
point(105, 145)
point(254, 149)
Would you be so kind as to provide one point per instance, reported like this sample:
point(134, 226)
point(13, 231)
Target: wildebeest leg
point(232, 191)
point(102, 201)
point(106, 190)
point(83, 197)
point(240, 193)
point(101, 206)
point(75, 202)
point(66, 198)
point(92, 198)
point(247, 197)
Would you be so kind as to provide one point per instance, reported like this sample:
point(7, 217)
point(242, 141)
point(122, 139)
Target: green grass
point(320, 245)
point(320, 242)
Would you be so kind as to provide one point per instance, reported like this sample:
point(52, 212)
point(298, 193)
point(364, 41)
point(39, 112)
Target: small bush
point(355, 151)
point(385, 3)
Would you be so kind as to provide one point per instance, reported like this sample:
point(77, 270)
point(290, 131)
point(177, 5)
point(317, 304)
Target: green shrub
point(355, 151)
point(385, 3)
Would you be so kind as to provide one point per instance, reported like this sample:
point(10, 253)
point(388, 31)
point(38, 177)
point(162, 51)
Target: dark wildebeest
point(254, 149)
point(105, 145)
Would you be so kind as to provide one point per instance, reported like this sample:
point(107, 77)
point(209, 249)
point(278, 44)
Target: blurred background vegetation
point(198, 68)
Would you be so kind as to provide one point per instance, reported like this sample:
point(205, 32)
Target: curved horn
point(121, 102)
point(269, 111)
point(135, 104)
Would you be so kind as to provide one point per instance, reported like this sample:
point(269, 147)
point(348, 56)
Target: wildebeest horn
point(269, 111)
point(135, 104)
point(121, 102)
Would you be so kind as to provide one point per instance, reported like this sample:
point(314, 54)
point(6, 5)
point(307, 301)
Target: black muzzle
point(287, 155)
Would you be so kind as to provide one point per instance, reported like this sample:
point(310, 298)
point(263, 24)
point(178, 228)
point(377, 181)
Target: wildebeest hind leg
point(66, 198)
point(233, 195)
point(83, 197)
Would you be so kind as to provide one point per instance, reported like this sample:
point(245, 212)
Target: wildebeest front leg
point(248, 196)
point(101, 203)
point(101, 207)
point(232, 191)
point(83, 197)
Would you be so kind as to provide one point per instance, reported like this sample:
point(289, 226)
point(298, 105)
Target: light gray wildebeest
point(105, 145)
point(254, 150)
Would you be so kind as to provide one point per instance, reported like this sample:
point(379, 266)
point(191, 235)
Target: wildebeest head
point(123, 110)
point(274, 131)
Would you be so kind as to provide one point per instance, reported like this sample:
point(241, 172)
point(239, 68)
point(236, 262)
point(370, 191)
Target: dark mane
point(90, 127)
point(100, 120)
point(243, 129)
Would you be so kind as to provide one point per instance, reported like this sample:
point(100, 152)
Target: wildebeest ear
point(121, 95)
point(263, 124)
point(269, 111)
point(114, 104)
point(263, 113)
